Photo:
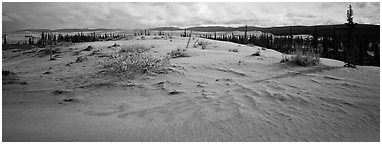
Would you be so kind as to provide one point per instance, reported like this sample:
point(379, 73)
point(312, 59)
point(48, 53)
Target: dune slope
point(214, 95)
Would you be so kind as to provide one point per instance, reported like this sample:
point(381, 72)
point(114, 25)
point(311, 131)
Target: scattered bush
point(257, 53)
point(178, 53)
point(134, 63)
point(47, 51)
point(203, 44)
point(307, 58)
point(81, 59)
point(284, 58)
point(96, 52)
point(235, 50)
point(7, 72)
point(89, 48)
point(136, 48)
point(114, 45)
point(9, 75)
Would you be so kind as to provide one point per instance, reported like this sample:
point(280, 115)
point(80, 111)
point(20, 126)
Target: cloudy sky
point(16, 16)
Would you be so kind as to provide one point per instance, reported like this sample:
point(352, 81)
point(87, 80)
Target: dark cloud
point(145, 15)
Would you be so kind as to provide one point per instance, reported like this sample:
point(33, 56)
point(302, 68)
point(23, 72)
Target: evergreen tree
point(349, 45)
point(5, 39)
point(245, 35)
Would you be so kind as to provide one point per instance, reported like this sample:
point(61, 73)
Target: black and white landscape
point(191, 72)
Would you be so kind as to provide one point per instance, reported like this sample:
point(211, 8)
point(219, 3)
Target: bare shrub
point(307, 58)
point(178, 53)
point(114, 45)
point(257, 53)
point(284, 58)
point(136, 48)
point(131, 64)
point(204, 45)
point(89, 48)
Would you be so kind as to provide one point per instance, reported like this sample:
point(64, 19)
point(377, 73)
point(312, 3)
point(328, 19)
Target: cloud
point(292, 14)
point(145, 15)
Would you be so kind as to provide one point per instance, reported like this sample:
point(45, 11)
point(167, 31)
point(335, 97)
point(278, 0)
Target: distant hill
point(322, 30)
point(83, 30)
point(66, 30)
point(372, 31)
point(166, 29)
point(35, 30)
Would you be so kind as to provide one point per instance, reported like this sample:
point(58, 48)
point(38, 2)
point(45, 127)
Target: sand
point(214, 95)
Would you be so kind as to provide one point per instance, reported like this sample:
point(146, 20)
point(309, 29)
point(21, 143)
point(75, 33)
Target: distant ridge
point(373, 31)
point(66, 30)
point(166, 29)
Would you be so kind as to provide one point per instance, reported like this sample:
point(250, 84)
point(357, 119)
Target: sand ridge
point(214, 95)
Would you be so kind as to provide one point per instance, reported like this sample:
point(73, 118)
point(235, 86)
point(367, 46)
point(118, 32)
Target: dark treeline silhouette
point(329, 45)
point(53, 39)
point(49, 38)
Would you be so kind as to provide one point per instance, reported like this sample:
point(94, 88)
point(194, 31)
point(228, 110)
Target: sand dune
point(214, 95)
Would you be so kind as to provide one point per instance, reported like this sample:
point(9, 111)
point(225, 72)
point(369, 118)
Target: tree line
point(354, 48)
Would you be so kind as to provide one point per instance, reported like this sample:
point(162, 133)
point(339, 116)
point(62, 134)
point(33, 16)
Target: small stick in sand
point(189, 40)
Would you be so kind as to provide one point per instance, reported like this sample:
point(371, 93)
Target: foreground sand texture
point(214, 95)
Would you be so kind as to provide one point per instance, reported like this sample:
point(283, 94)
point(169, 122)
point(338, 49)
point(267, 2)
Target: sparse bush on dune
point(135, 60)
point(178, 53)
point(307, 58)
point(257, 53)
point(114, 45)
point(234, 50)
point(136, 48)
point(89, 48)
point(284, 58)
point(202, 43)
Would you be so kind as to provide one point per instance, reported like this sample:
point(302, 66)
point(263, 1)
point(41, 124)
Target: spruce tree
point(5, 39)
point(349, 45)
point(245, 35)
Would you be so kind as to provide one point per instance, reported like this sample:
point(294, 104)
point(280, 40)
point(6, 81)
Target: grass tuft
point(134, 60)
point(178, 53)
point(136, 48)
point(307, 58)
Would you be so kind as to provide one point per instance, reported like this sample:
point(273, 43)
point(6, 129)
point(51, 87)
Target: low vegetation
point(178, 53)
point(305, 58)
point(257, 53)
point(234, 50)
point(134, 60)
point(203, 44)
point(136, 48)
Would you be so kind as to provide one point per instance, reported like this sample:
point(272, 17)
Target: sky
point(129, 15)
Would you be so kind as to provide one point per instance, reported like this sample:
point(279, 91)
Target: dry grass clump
point(201, 43)
point(204, 45)
point(234, 50)
point(114, 45)
point(307, 58)
point(178, 53)
point(135, 60)
point(136, 48)
point(257, 53)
